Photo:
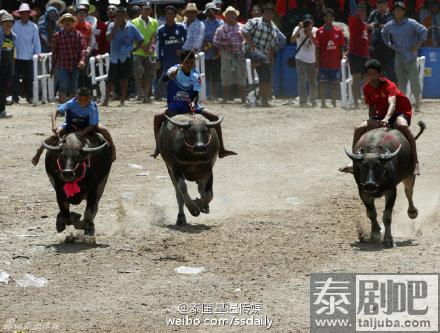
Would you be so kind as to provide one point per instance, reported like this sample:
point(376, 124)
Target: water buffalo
point(189, 146)
point(382, 159)
point(78, 173)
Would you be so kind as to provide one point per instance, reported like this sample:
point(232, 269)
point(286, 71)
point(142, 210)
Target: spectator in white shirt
point(28, 44)
point(195, 29)
point(304, 36)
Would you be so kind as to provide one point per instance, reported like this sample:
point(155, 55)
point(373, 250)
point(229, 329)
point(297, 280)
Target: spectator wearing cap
point(90, 19)
point(195, 29)
point(304, 36)
point(212, 57)
point(229, 39)
point(27, 45)
point(68, 56)
point(7, 46)
point(47, 28)
point(145, 58)
point(330, 47)
point(405, 36)
point(171, 37)
point(124, 39)
point(378, 49)
point(261, 39)
point(358, 51)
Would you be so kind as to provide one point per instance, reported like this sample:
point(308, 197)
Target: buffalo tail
point(422, 128)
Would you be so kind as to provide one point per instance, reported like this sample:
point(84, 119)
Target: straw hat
point(61, 3)
point(24, 7)
point(190, 7)
point(7, 17)
point(231, 9)
point(67, 16)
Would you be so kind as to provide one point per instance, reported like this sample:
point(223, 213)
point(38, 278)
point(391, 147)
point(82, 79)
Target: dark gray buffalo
point(383, 159)
point(78, 173)
point(189, 146)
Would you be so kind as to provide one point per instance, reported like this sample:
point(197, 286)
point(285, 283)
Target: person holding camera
point(378, 49)
point(304, 37)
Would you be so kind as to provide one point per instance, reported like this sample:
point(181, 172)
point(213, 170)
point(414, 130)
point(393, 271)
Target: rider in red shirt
point(388, 106)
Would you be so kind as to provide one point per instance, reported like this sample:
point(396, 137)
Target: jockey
point(81, 116)
point(184, 84)
point(388, 107)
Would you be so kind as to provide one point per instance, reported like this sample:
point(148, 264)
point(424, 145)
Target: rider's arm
point(392, 107)
point(54, 119)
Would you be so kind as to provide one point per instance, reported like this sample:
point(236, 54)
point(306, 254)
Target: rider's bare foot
point(347, 169)
point(156, 153)
point(417, 169)
point(224, 153)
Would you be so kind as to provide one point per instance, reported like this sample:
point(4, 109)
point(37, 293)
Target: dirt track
point(280, 211)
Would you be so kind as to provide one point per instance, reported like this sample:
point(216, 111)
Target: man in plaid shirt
point(229, 39)
point(68, 57)
point(261, 38)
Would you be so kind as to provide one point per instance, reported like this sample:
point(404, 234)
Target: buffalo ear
point(355, 157)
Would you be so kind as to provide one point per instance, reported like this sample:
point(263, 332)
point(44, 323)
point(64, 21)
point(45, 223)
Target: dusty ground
point(280, 212)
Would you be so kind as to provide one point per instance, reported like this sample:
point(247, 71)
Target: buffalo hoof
point(375, 237)
point(181, 220)
point(388, 243)
point(413, 213)
point(89, 229)
point(205, 209)
point(194, 211)
point(61, 222)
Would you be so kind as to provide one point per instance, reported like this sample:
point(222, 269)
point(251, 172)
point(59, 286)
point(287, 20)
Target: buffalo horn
point(387, 156)
point(354, 157)
point(49, 147)
point(214, 123)
point(178, 124)
point(94, 149)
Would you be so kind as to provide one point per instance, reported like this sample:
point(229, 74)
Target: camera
point(306, 24)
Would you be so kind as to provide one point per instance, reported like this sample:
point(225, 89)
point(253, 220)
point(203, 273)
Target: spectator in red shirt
point(358, 52)
point(68, 56)
point(84, 27)
point(102, 45)
point(388, 106)
point(330, 45)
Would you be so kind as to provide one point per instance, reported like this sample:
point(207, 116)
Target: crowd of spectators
point(144, 42)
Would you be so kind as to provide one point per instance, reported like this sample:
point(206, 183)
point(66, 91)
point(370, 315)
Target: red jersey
point(378, 98)
point(358, 37)
point(86, 30)
point(329, 43)
point(101, 40)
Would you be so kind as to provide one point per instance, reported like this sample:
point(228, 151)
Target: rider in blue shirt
point(184, 84)
point(81, 115)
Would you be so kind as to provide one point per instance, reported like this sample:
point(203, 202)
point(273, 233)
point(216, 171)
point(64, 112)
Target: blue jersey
point(170, 40)
point(182, 90)
point(78, 117)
